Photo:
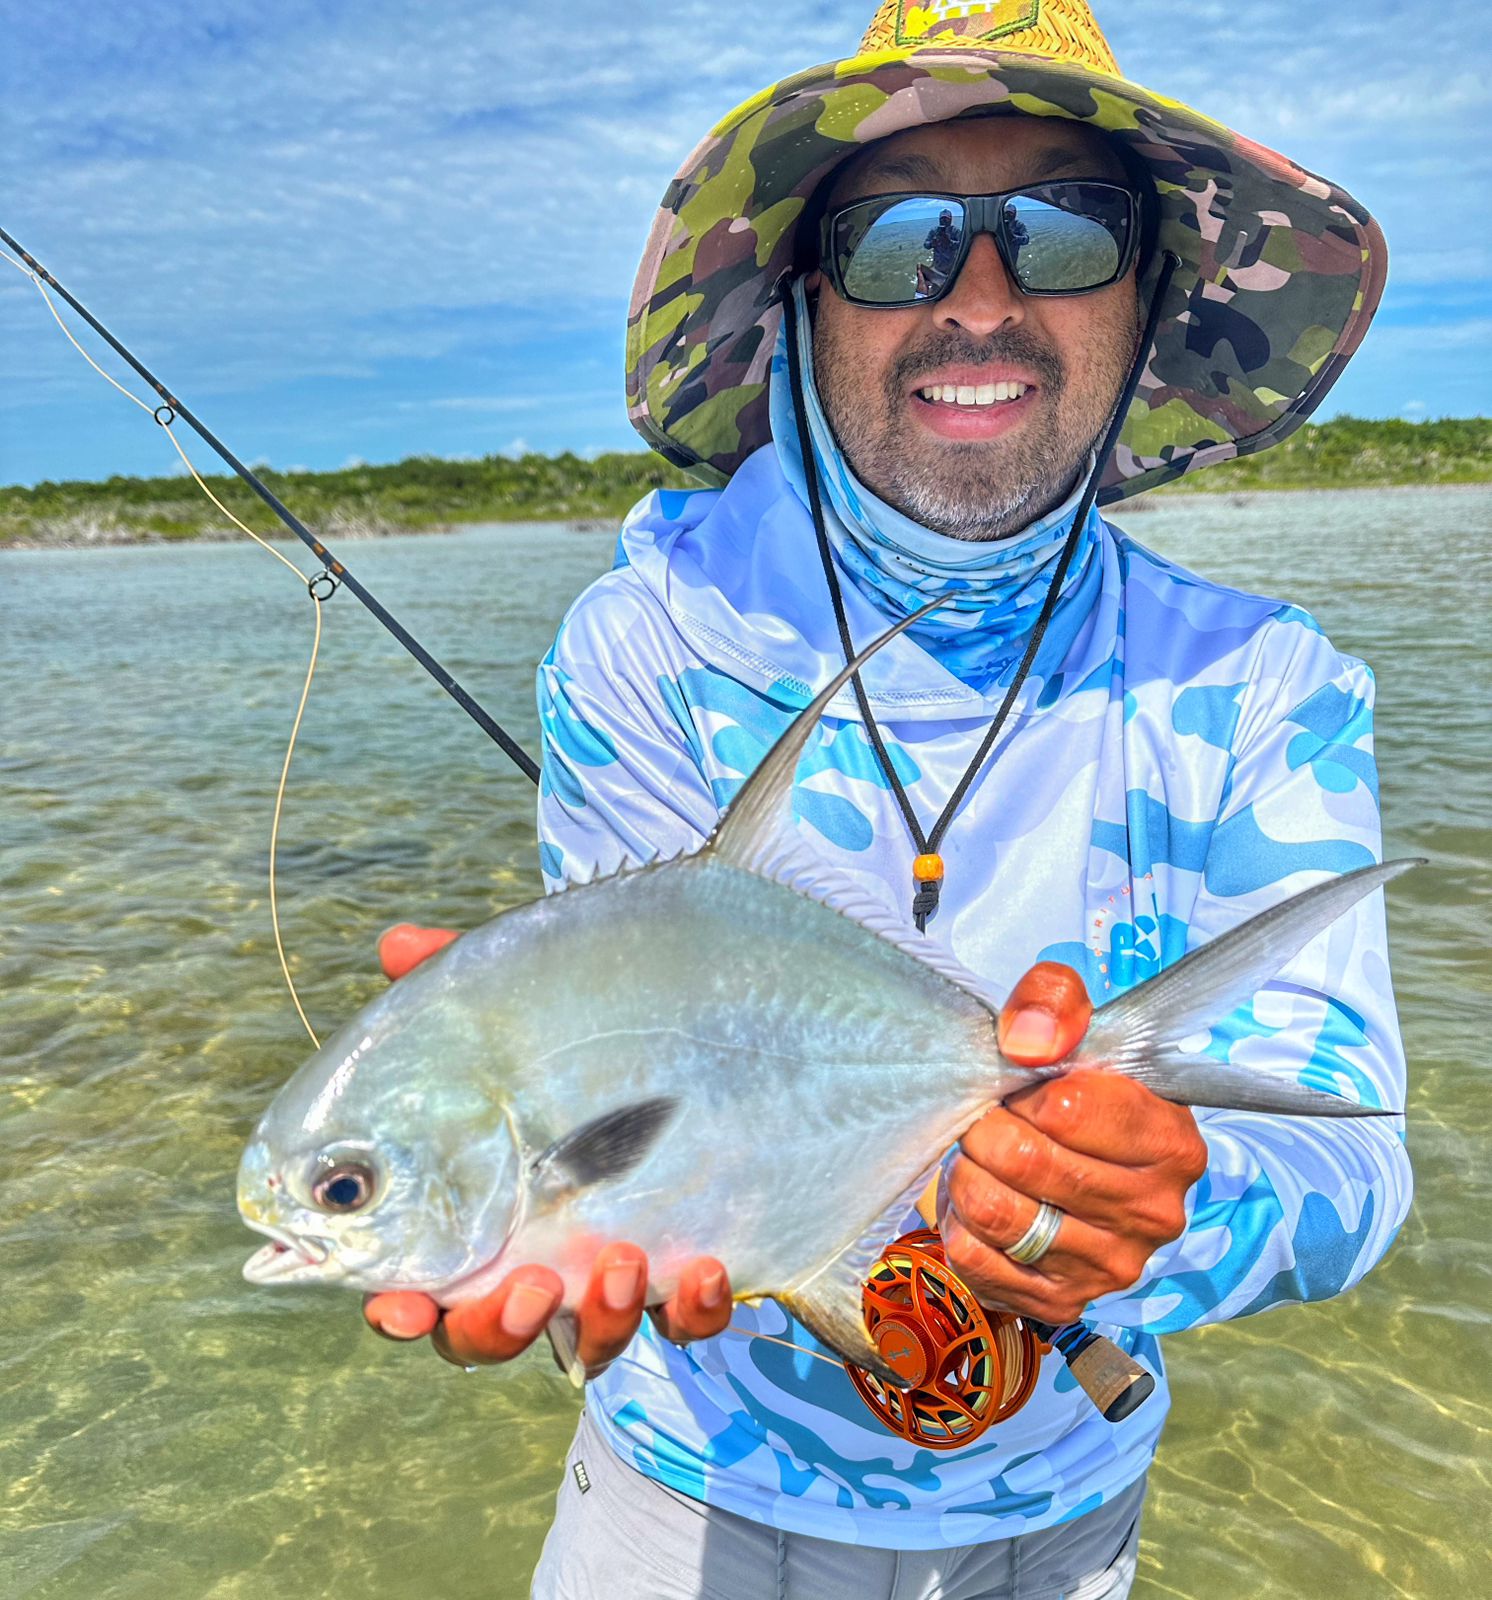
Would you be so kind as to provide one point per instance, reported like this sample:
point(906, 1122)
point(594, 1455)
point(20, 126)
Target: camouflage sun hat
point(1280, 270)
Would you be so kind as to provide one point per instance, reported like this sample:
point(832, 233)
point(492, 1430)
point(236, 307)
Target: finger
point(405, 945)
point(401, 1314)
point(999, 1216)
point(1014, 1151)
point(502, 1324)
point(612, 1308)
point(1114, 1119)
point(701, 1305)
point(999, 1283)
point(1045, 1016)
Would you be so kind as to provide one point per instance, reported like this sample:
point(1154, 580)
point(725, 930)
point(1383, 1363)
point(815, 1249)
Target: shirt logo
point(919, 21)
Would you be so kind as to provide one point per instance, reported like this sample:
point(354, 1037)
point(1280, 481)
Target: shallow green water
point(166, 1430)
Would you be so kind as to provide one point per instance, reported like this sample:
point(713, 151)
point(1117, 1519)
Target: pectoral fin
point(608, 1146)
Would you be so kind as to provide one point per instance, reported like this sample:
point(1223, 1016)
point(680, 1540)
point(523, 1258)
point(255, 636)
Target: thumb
point(1045, 1016)
point(405, 945)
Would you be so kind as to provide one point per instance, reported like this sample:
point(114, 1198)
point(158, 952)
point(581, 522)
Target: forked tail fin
point(1139, 1033)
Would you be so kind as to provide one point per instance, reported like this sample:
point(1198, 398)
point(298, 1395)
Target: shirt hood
point(739, 571)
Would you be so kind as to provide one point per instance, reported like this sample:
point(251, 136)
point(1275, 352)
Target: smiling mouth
point(970, 396)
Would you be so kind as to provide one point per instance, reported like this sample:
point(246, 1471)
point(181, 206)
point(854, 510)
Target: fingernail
point(712, 1289)
point(384, 1332)
point(526, 1310)
point(1030, 1032)
point(621, 1284)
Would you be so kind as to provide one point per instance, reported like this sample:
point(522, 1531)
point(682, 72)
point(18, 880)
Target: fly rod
point(335, 570)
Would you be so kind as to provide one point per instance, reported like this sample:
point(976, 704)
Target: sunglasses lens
point(898, 253)
point(1068, 236)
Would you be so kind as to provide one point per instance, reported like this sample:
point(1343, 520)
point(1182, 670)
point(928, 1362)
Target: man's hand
point(505, 1322)
point(1114, 1158)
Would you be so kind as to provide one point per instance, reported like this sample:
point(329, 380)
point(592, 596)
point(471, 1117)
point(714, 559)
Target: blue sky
point(369, 230)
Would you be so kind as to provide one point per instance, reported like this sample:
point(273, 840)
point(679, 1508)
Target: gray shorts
point(627, 1537)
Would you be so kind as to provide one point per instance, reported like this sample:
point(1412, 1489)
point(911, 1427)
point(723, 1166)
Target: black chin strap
point(927, 870)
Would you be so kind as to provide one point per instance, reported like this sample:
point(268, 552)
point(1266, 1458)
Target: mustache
point(1019, 347)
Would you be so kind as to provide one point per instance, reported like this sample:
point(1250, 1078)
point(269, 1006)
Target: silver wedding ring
point(1034, 1243)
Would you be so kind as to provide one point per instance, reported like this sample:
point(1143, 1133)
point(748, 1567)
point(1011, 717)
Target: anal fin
point(830, 1310)
point(829, 1302)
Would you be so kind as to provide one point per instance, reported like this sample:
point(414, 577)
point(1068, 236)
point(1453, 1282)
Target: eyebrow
point(911, 168)
point(1055, 160)
point(923, 171)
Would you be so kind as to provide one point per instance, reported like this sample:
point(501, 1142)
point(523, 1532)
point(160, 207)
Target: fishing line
point(310, 583)
point(337, 571)
point(771, 1338)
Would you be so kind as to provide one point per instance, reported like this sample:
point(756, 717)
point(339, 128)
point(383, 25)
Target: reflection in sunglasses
point(1057, 238)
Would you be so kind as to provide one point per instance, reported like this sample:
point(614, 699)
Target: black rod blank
point(488, 724)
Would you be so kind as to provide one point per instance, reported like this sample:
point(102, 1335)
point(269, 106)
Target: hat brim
point(1281, 271)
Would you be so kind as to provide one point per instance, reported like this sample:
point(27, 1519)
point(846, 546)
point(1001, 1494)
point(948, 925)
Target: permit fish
point(735, 1052)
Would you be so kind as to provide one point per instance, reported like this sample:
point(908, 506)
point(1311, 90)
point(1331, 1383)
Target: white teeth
point(966, 394)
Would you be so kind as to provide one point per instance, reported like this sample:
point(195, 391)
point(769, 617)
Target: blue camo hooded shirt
point(1181, 756)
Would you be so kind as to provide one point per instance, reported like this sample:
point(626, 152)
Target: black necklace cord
point(171, 408)
point(927, 869)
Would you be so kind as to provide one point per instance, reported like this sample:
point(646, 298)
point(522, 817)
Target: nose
point(983, 299)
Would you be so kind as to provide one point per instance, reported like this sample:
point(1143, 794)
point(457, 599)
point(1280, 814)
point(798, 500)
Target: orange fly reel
point(966, 1368)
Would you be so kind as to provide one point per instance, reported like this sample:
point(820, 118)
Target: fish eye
point(348, 1186)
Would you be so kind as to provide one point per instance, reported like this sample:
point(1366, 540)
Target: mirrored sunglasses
point(1066, 237)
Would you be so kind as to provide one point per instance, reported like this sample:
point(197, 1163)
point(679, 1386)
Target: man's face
point(972, 471)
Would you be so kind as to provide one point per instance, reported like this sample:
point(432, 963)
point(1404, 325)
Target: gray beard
point(1002, 512)
point(957, 491)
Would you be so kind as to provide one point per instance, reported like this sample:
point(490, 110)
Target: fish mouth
point(286, 1258)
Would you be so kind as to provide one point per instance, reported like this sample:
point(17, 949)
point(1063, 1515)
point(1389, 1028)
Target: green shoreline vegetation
point(425, 493)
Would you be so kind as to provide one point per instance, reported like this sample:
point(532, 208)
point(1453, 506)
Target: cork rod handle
point(1111, 1378)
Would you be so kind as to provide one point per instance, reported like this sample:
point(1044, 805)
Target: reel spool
point(967, 1368)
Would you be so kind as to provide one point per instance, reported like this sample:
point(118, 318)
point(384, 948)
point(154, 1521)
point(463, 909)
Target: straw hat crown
point(1060, 30)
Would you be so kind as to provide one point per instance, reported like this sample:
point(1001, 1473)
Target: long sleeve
point(1290, 1208)
point(623, 778)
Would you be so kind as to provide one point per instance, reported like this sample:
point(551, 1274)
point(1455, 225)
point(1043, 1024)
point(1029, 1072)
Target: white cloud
point(265, 192)
point(501, 403)
point(1475, 334)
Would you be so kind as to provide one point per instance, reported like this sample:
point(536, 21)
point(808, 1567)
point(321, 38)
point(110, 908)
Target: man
point(1084, 755)
point(941, 247)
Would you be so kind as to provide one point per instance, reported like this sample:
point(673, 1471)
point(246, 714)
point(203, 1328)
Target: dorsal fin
point(752, 830)
point(756, 834)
